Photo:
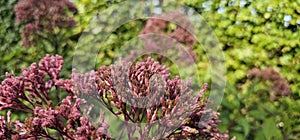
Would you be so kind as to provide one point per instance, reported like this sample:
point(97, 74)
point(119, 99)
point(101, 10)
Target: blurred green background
point(253, 34)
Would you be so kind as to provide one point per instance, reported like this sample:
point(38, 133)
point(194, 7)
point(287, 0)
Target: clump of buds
point(158, 26)
point(278, 83)
point(136, 93)
point(32, 94)
point(43, 16)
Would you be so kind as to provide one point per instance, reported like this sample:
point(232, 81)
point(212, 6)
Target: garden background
point(260, 41)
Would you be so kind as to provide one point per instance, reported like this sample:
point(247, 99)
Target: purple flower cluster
point(139, 93)
point(144, 93)
point(181, 33)
point(156, 25)
point(31, 93)
point(43, 16)
point(278, 83)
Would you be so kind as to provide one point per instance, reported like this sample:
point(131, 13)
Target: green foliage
point(257, 34)
point(251, 114)
point(9, 37)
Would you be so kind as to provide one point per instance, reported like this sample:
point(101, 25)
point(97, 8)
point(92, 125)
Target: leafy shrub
point(11, 49)
point(256, 34)
point(263, 115)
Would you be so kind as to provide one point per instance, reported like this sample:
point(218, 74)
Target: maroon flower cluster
point(278, 83)
point(156, 25)
point(31, 93)
point(144, 93)
point(139, 93)
point(43, 16)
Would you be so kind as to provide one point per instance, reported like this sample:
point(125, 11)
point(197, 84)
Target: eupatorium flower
point(278, 83)
point(157, 25)
point(139, 93)
point(32, 93)
point(43, 16)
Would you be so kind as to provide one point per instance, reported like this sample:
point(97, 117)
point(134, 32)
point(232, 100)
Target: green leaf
point(258, 114)
point(270, 129)
point(245, 124)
